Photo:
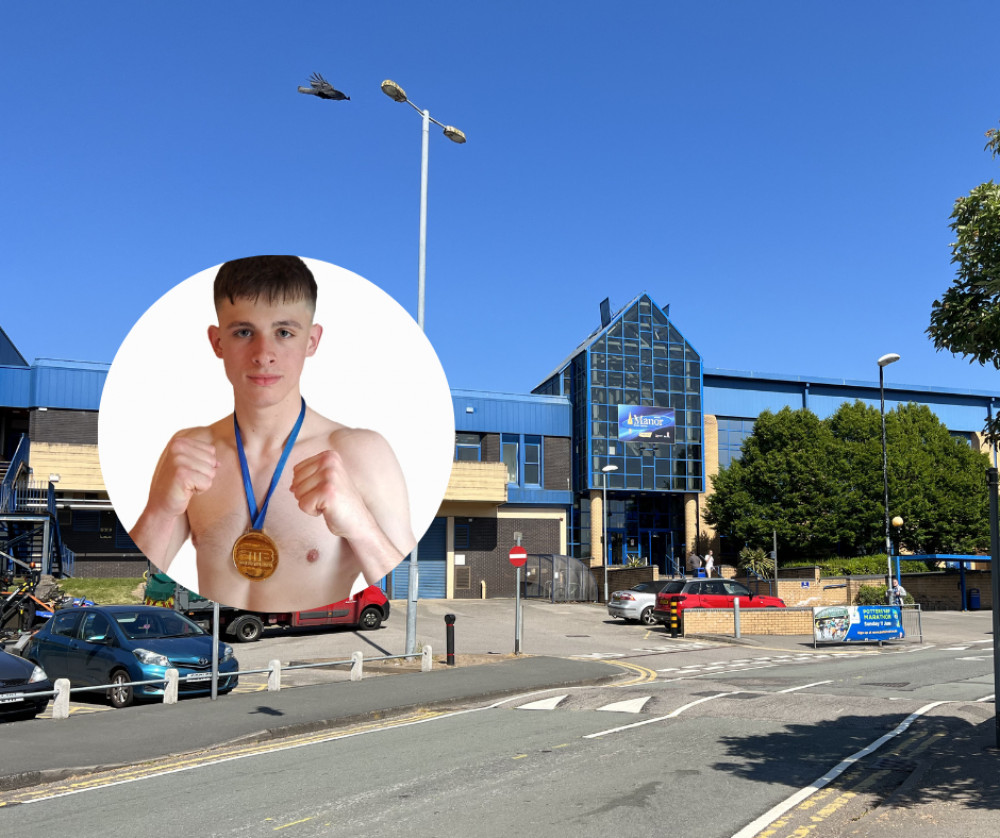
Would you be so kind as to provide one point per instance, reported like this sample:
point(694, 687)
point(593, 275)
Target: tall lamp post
point(604, 527)
point(397, 94)
point(883, 362)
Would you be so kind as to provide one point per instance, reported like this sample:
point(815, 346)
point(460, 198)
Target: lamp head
point(393, 91)
point(885, 360)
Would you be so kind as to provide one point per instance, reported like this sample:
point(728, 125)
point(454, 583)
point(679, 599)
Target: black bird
point(319, 86)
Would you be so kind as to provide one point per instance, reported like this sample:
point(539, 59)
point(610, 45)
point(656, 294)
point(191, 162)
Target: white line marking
point(673, 715)
point(980, 658)
point(776, 812)
point(632, 705)
point(805, 686)
point(543, 704)
point(986, 698)
point(955, 649)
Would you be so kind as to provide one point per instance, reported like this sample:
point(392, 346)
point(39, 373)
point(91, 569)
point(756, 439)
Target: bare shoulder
point(361, 447)
point(204, 433)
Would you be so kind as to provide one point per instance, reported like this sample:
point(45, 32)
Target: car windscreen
point(673, 587)
point(140, 624)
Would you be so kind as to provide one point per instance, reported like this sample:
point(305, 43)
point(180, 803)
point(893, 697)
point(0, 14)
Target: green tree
point(783, 481)
point(966, 320)
point(819, 484)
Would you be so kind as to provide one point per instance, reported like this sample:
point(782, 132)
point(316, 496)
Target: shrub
point(754, 561)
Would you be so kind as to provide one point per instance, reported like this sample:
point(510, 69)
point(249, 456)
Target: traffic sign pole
point(518, 556)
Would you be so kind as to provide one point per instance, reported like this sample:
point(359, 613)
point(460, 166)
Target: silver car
point(637, 602)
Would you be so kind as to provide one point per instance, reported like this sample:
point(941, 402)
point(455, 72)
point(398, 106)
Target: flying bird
point(319, 86)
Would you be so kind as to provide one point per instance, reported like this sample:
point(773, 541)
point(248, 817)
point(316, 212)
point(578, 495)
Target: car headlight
point(150, 658)
point(37, 674)
point(227, 653)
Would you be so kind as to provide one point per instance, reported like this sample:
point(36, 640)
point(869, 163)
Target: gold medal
point(255, 555)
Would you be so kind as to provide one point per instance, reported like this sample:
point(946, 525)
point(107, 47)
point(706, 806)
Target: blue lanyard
point(257, 518)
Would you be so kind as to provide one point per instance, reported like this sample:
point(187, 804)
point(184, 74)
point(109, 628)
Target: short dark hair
point(273, 278)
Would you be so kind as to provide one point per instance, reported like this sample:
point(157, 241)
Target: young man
point(284, 507)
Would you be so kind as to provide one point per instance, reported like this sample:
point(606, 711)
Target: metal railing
point(171, 681)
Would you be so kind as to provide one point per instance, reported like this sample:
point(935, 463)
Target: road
point(700, 739)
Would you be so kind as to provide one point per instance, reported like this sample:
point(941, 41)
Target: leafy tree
point(819, 484)
point(966, 320)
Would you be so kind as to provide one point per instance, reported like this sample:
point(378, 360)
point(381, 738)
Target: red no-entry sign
point(518, 556)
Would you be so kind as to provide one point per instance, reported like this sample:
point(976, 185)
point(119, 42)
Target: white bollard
point(60, 704)
point(736, 617)
point(357, 665)
point(170, 688)
point(425, 659)
point(274, 676)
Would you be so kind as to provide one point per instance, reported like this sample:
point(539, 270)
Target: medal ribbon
point(257, 518)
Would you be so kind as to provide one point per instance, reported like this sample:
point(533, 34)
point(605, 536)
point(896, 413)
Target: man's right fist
point(187, 468)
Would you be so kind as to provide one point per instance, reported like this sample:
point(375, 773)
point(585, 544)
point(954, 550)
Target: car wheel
point(246, 629)
point(647, 618)
point(371, 619)
point(120, 693)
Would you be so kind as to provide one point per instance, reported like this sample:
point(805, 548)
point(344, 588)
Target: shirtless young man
point(339, 507)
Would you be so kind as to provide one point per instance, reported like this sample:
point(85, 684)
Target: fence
point(172, 680)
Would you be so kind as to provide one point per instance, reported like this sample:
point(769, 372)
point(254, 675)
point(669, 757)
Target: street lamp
point(604, 528)
point(883, 362)
point(897, 522)
point(397, 94)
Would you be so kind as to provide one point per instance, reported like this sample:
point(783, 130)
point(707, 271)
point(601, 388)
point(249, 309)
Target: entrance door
point(657, 548)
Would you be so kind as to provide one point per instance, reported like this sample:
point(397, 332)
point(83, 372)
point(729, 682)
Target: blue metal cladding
point(56, 384)
point(432, 563)
point(745, 394)
point(486, 412)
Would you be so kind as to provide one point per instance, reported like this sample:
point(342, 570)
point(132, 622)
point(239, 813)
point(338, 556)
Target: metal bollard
point(274, 676)
point(60, 705)
point(736, 617)
point(170, 688)
point(357, 665)
point(449, 621)
point(425, 659)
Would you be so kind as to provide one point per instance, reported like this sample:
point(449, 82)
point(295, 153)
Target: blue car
point(118, 645)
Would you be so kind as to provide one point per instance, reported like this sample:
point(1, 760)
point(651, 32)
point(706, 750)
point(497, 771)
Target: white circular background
point(373, 369)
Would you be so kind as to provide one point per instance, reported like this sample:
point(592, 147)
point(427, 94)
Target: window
point(732, 432)
point(532, 461)
point(462, 535)
point(468, 447)
point(509, 456)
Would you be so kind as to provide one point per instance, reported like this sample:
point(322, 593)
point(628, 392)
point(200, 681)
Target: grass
point(103, 591)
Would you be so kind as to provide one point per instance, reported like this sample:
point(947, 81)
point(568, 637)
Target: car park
point(118, 645)
point(709, 593)
point(22, 688)
point(637, 602)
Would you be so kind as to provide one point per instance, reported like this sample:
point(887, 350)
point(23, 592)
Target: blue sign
point(639, 422)
point(858, 623)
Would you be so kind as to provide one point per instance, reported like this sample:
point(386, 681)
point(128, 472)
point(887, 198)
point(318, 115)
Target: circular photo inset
point(276, 433)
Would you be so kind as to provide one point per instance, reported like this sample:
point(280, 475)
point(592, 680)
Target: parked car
point(709, 593)
point(637, 602)
point(20, 683)
point(119, 644)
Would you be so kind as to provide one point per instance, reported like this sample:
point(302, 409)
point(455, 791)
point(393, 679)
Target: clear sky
point(780, 173)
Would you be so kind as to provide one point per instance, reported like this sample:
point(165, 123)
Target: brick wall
point(490, 540)
point(752, 621)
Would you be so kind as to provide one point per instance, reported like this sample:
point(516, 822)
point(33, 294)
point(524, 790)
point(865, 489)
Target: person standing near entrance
point(693, 563)
point(709, 563)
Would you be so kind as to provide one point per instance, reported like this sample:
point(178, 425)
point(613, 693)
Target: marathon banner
point(638, 422)
point(857, 623)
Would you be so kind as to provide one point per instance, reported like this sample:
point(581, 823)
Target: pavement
point(954, 792)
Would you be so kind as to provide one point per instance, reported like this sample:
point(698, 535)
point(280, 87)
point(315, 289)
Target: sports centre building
point(632, 405)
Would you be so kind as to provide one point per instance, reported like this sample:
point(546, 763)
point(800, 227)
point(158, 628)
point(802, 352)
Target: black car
point(20, 683)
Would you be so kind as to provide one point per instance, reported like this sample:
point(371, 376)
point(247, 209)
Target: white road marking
point(977, 658)
point(672, 715)
point(805, 686)
point(776, 812)
point(986, 698)
point(955, 649)
point(543, 704)
point(633, 705)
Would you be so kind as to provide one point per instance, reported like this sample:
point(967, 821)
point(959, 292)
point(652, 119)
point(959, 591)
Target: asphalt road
point(700, 738)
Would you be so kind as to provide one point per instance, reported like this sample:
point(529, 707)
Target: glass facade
point(732, 432)
point(638, 359)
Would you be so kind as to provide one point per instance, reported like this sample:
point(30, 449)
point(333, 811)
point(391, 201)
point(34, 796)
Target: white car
point(637, 602)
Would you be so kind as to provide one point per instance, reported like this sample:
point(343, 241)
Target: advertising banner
point(857, 623)
point(639, 422)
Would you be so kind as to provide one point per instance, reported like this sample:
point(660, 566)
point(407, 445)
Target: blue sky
point(780, 174)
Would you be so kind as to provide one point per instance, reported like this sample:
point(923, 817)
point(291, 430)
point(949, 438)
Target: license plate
point(10, 698)
point(199, 676)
